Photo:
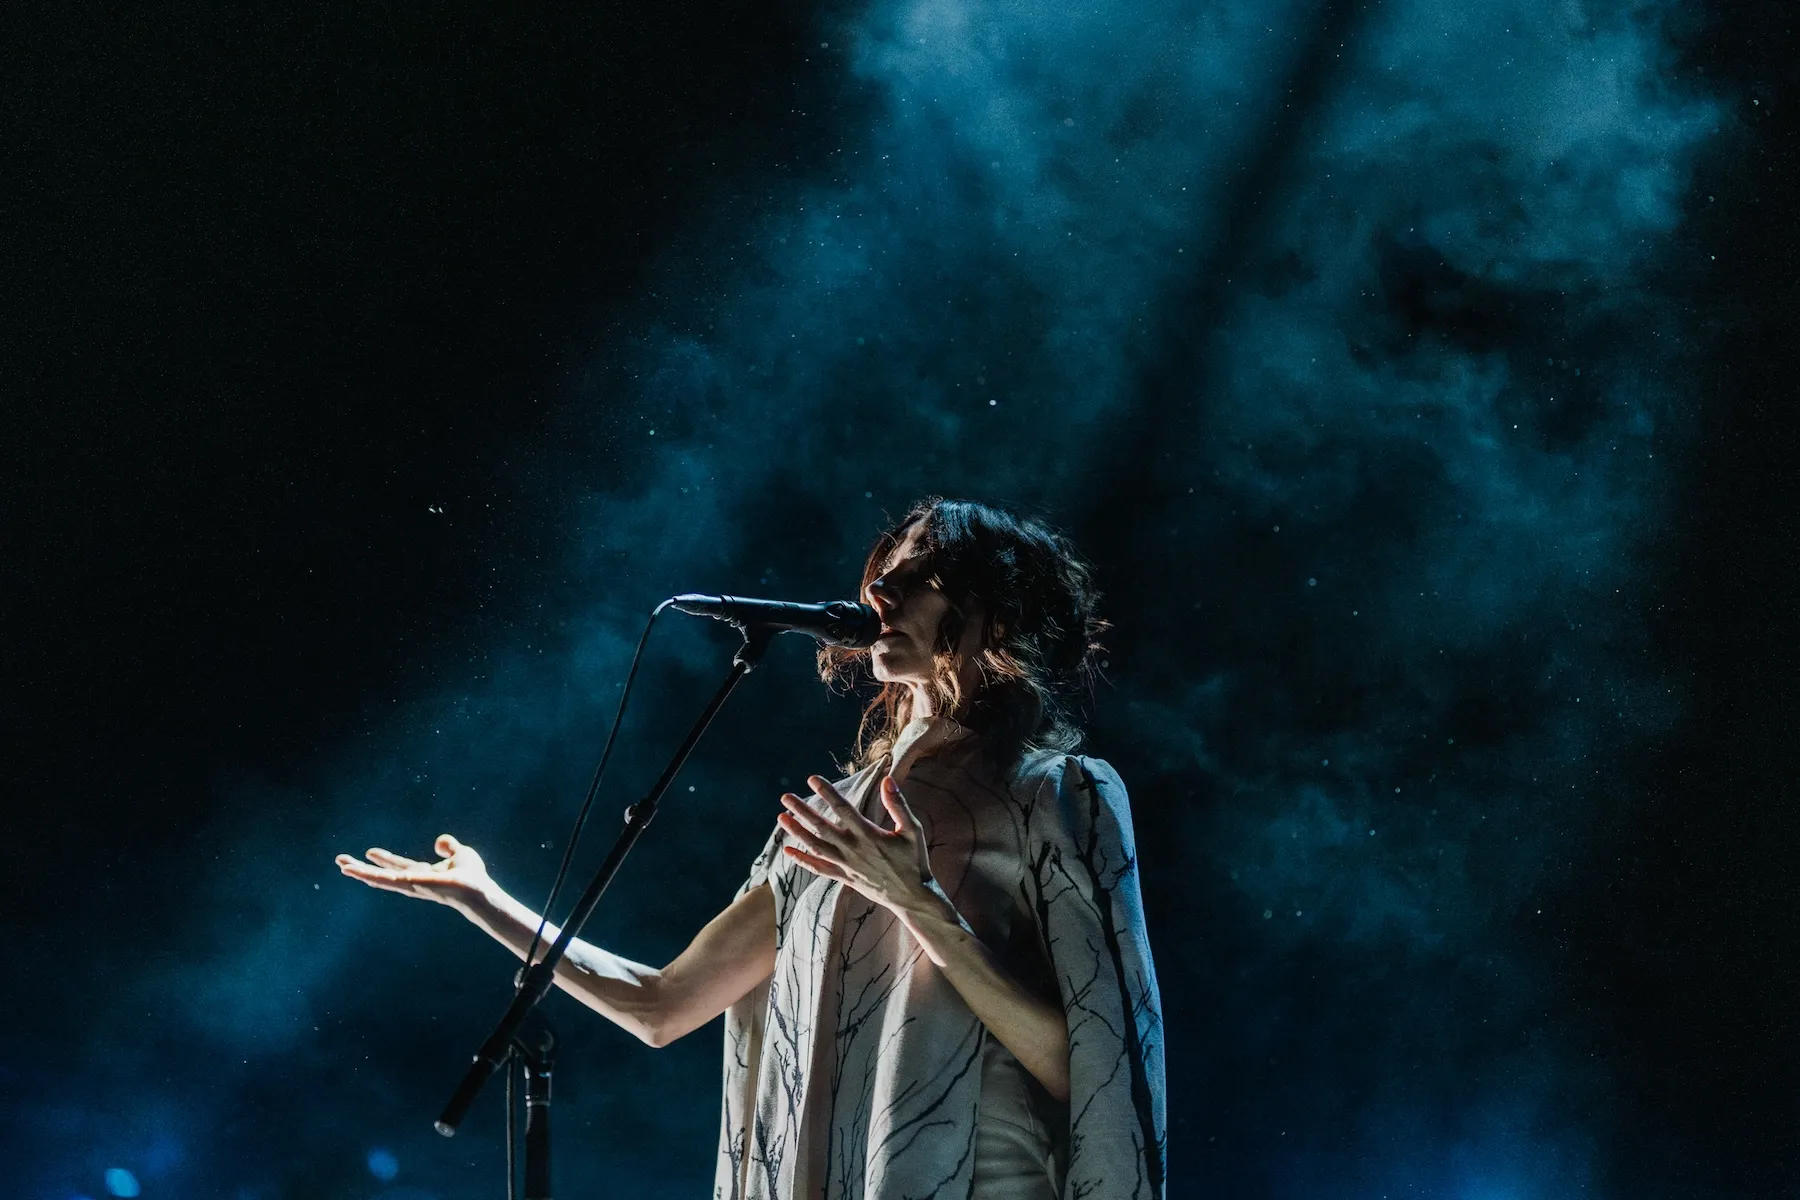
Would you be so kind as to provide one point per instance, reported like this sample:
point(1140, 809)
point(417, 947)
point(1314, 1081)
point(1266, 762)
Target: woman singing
point(936, 979)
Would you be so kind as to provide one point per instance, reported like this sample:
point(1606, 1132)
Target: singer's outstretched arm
point(731, 955)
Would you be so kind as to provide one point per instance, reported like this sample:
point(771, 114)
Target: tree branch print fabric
point(855, 1071)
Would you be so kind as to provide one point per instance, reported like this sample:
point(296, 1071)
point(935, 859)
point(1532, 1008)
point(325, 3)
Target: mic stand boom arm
point(541, 977)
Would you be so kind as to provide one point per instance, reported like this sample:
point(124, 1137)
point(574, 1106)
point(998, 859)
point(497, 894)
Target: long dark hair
point(1037, 651)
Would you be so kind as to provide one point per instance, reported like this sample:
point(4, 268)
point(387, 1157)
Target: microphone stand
point(535, 1051)
point(541, 976)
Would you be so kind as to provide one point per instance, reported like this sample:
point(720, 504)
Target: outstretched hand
point(891, 867)
point(458, 879)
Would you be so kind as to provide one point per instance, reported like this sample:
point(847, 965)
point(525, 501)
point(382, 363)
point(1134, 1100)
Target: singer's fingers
point(377, 876)
point(892, 800)
point(446, 845)
point(806, 837)
point(388, 885)
point(841, 808)
point(384, 867)
point(808, 816)
point(817, 865)
point(375, 867)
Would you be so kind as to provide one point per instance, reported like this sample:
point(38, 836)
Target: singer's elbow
point(659, 1033)
point(657, 1022)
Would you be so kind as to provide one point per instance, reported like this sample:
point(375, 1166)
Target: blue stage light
point(121, 1182)
point(383, 1165)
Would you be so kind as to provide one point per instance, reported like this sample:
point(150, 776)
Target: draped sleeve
point(747, 1024)
point(1080, 878)
point(744, 1036)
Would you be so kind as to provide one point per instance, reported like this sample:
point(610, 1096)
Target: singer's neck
point(968, 673)
point(923, 703)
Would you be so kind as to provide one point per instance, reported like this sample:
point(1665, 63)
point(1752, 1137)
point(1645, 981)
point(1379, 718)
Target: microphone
point(834, 622)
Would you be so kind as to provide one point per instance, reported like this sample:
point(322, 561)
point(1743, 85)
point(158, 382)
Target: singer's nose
point(884, 597)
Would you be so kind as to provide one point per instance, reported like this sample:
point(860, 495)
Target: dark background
point(280, 284)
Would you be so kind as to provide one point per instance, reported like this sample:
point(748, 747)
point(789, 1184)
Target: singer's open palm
point(458, 879)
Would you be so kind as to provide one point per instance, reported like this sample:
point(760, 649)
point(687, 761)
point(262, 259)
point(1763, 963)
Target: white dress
point(857, 1072)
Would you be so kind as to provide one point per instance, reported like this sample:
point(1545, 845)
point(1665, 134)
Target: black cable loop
point(537, 938)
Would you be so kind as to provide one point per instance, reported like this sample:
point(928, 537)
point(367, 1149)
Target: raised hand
point(890, 867)
point(459, 878)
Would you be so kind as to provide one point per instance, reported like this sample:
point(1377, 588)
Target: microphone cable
point(587, 804)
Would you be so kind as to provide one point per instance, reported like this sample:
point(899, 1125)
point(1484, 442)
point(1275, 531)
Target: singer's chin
point(897, 668)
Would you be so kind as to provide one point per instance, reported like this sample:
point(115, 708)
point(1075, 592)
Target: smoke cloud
point(1336, 334)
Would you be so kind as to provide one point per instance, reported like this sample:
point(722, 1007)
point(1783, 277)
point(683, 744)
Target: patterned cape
point(854, 1071)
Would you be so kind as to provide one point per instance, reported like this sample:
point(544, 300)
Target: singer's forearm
point(1033, 1028)
point(724, 961)
point(620, 990)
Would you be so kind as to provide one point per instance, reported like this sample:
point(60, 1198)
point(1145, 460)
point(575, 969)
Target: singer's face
point(911, 610)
